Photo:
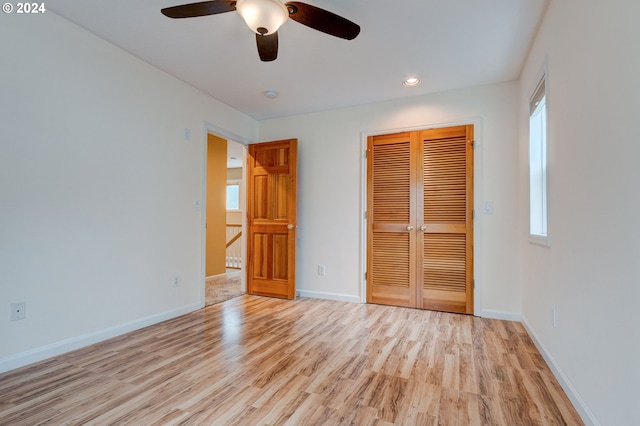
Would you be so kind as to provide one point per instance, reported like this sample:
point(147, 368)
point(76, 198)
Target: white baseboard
point(329, 296)
point(587, 415)
point(54, 349)
point(501, 315)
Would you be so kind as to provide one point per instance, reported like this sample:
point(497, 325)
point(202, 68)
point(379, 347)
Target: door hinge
point(474, 284)
point(366, 215)
point(365, 276)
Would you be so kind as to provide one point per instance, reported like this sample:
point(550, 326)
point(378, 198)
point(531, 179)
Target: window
point(233, 196)
point(538, 165)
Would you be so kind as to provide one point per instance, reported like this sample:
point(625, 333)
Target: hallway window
point(233, 196)
point(538, 165)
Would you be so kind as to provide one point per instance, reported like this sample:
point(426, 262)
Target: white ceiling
point(448, 44)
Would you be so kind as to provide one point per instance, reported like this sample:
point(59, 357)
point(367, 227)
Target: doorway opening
point(225, 241)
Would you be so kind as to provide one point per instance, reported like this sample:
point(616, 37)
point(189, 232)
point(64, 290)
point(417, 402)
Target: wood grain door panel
point(391, 275)
point(447, 219)
point(444, 272)
point(420, 223)
point(271, 218)
point(391, 209)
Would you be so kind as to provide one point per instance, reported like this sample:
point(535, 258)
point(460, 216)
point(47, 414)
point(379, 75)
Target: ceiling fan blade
point(322, 20)
point(267, 46)
point(203, 8)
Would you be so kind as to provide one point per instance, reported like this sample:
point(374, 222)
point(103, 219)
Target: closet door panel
point(391, 257)
point(446, 211)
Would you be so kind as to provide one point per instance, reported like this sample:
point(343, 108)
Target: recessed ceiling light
point(271, 94)
point(413, 81)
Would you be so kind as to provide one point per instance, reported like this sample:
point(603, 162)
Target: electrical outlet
point(18, 311)
point(176, 281)
point(322, 270)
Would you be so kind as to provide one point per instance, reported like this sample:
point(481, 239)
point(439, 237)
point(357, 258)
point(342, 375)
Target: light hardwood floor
point(261, 361)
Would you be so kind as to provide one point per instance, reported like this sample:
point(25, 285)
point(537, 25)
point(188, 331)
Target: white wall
point(589, 274)
point(330, 186)
point(97, 187)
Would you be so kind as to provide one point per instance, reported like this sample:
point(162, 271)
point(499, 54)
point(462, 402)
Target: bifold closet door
point(420, 219)
point(391, 211)
point(446, 220)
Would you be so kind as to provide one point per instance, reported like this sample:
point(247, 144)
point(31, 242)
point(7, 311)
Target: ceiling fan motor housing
point(264, 17)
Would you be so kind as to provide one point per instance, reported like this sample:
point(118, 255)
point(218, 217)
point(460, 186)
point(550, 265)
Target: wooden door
point(271, 219)
point(420, 219)
point(391, 213)
point(446, 219)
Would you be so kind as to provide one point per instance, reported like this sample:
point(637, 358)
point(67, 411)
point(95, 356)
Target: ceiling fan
point(264, 17)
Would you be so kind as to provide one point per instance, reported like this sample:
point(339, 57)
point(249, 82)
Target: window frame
point(539, 93)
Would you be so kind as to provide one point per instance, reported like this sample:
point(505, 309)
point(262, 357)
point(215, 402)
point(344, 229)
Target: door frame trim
point(477, 196)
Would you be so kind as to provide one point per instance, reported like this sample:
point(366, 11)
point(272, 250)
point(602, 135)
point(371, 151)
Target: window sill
point(540, 240)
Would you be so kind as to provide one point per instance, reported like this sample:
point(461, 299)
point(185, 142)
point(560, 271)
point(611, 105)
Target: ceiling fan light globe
point(263, 14)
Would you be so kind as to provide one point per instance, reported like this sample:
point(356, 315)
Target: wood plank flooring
point(261, 361)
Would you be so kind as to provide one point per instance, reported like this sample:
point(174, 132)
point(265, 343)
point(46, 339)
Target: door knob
point(291, 227)
point(409, 228)
point(423, 228)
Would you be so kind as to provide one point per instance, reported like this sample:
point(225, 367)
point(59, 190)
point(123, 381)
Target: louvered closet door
point(446, 212)
point(420, 219)
point(392, 207)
